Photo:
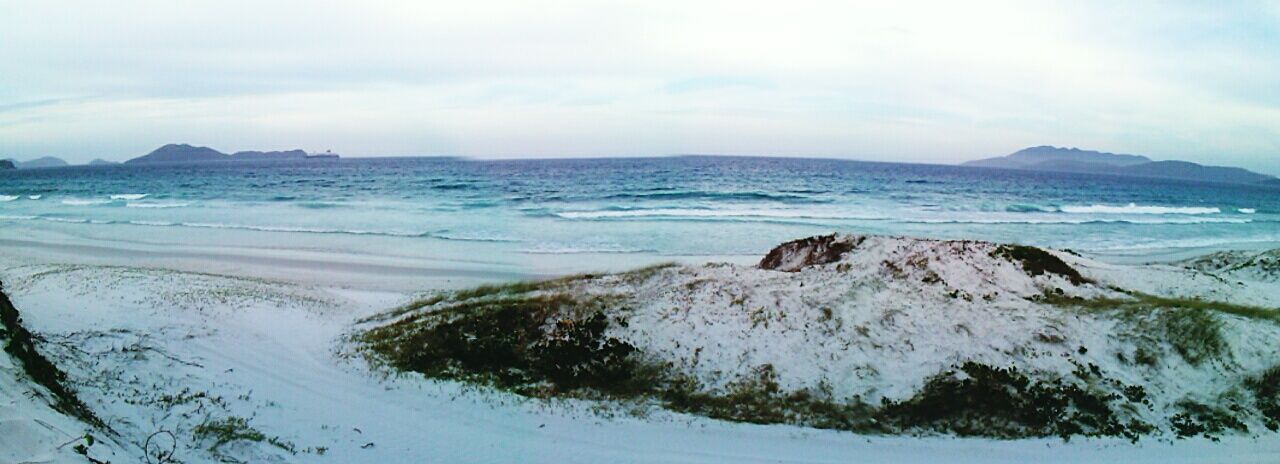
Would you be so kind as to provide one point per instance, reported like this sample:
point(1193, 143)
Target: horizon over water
point(665, 206)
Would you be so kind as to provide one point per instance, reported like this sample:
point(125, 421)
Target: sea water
point(685, 206)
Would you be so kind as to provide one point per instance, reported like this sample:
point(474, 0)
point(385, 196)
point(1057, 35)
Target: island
point(184, 153)
point(1056, 159)
point(41, 162)
point(7, 165)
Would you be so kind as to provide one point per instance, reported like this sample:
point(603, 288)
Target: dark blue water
point(681, 205)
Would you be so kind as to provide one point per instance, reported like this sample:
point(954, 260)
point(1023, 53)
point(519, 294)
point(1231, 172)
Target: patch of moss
point(1190, 326)
point(501, 290)
point(226, 430)
point(1037, 262)
point(1142, 302)
point(645, 273)
point(577, 354)
point(1266, 392)
point(1144, 356)
point(511, 288)
point(1205, 420)
point(1195, 334)
point(513, 343)
point(232, 429)
point(761, 401)
point(980, 400)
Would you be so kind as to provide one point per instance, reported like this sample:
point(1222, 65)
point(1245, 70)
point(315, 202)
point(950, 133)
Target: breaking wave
point(84, 202)
point(570, 250)
point(157, 204)
point(721, 196)
point(713, 213)
point(1133, 208)
point(472, 237)
point(1066, 220)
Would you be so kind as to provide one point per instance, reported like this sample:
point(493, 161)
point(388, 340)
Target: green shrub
point(226, 430)
point(1039, 262)
point(502, 342)
point(1266, 393)
point(1142, 303)
point(1201, 419)
point(761, 401)
point(1195, 334)
point(980, 400)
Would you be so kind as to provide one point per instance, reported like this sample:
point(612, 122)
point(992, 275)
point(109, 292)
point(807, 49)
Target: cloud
point(933, 82)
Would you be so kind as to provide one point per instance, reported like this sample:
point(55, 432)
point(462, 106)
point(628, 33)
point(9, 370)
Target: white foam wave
point(583, 250)
point(153, 223)
point(62, 219)
point(307, 230)
point(4, 198)
point(34, 197)
point(713, 213)
point(157, 204)
point(473, 237)
point(1051, 220)
point(84, 202)
point(1133, 208)
point(129, 196)
point(1247, 210)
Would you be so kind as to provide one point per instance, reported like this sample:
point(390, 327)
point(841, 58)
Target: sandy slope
point(881, 321)
point(153, 349)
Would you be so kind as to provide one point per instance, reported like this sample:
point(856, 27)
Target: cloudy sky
point(895, 81)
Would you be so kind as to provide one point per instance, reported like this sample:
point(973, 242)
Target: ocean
point(667, 206)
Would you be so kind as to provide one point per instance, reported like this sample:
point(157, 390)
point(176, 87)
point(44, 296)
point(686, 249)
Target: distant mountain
point(6, 165)
point(1028, 158)
point(179, 153)
point(101, 162)
point(41, 162)
point(269, 155)
point(1046, 158)
point(183, 153)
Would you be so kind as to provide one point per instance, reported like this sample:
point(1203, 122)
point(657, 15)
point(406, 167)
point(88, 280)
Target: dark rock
point(798, 254)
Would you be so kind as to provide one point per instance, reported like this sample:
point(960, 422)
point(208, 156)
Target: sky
point(934, 82)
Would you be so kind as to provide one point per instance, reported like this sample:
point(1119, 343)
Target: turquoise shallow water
point(660, 206)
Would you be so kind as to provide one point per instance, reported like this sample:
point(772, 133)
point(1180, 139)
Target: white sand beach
point(166, 341)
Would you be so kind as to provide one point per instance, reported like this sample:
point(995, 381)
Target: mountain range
point(1055, 159)
point(184, 153)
